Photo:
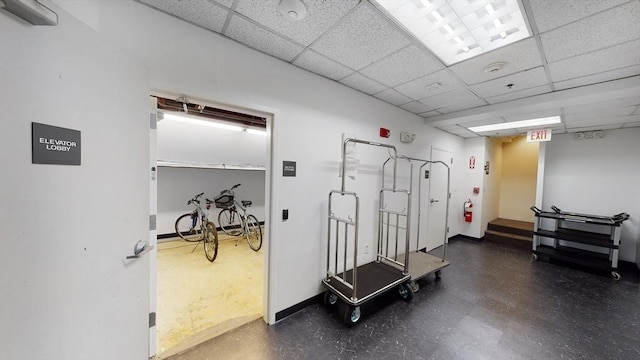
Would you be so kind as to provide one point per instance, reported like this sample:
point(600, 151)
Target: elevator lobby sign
point(539, 135)
point(54, 145)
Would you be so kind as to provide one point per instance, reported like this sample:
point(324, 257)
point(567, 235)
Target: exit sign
point(539, 135)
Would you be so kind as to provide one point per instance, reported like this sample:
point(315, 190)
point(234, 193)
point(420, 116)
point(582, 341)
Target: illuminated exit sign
point(539, 135)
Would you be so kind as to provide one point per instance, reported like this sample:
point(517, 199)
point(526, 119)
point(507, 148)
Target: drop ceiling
point(582, 62)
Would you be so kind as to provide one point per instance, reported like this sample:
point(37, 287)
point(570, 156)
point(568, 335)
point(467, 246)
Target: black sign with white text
point(288, 168)
point(54, 145)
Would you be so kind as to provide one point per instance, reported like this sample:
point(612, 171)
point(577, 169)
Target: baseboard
point(297, 307)
point(465, 237)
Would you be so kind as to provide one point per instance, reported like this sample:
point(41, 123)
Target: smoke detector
point(495, 67)
point(293, 10)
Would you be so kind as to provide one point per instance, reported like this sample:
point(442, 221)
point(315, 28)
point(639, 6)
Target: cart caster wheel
point(615, 275)
point(438, 274)
point(405, 292)
point(330, 300)
point(414, 286)
point(534, 256)
point(352, 315)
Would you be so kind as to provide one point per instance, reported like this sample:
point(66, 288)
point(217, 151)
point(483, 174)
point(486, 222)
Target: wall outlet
point(366, 248)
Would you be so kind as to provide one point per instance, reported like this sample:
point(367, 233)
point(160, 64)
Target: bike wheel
point(254, 236)
point(186, 229)
point(211, 241)
point(229, 221)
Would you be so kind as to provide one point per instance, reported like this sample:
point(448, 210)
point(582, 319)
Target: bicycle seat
point(246, 203)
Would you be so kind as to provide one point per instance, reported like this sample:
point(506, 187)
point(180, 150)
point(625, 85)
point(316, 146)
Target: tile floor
point(493, 302)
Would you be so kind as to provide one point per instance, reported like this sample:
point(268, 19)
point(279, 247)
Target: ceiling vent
point(495, 67)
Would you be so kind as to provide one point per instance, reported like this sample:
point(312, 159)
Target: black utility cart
point(583, 239)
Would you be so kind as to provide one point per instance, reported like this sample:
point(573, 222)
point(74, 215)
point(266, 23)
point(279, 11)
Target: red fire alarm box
point(385, 133)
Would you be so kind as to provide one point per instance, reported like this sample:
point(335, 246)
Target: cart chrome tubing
point(347, 222)
point(344, 161)
point(384, 234)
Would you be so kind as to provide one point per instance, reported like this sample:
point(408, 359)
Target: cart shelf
point(374, 278)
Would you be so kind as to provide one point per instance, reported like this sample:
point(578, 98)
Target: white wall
point(66, 290)
point(492, 182)
point(177, 185)
point(598, 176)
point(310, 114)
point(470, 178)
point(204, 145)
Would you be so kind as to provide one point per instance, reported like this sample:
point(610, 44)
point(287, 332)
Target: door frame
point(270, 115)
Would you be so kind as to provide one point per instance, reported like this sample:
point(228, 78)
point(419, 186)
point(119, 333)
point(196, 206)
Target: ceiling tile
point(458, 96)
point(519, 94)
point(462, 106)
point(417, 89)
point(226, 3)
point(616, 57)
point(363, 37)
point(551, 14)
point(583, 122)
point(430, 113)
point(362, 83)
point(321, 15)
point(519, 56)
point(405, 65)
point(599, 106)
point(314, 62)
point(199, 12)
point(416, 107)
point(608, 28)
point(533, 115)
point(261, 39)
point(392, 97)
point(594, 128)
point(598, 78)
point(521, 81)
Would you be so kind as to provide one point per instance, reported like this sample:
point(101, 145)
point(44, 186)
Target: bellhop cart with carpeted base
point(421, 263)
point(349, 284)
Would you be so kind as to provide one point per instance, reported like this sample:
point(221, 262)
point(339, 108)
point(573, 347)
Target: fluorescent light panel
point(456, 30)
point(211, 123)
point(517, 124)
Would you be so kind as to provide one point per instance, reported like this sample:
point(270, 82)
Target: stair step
point(510, 239)
point(516, 227)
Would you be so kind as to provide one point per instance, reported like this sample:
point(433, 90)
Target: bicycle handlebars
point(195, 199)
point(233, 187)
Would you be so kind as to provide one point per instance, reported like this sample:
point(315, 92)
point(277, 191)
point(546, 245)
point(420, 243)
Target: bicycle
point(236, 223)
point(187, 228)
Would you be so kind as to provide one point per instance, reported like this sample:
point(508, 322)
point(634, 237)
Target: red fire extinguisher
point(468, 211)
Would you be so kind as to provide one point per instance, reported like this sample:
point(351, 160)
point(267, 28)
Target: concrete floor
point(197, 299)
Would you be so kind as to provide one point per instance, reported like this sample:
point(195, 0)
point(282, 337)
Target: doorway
point(208, 149)
point(436, 203)
point(518, 179)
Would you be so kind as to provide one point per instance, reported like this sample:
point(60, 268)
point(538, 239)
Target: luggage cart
point(599, 233)
point(356, 284)
point(422, 264)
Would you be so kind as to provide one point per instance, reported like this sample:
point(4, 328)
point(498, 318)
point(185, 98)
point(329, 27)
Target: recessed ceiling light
point(517, 124)
point(461, 29)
